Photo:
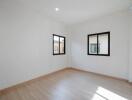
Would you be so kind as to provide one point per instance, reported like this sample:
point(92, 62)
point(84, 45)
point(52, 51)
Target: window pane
point(62, 45)
point(93, 44)
point(103, 44)
point(56, 45)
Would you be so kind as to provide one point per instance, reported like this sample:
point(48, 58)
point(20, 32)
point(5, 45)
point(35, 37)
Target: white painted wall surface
point(26, 44)
point(130, 50)
point(117, 64)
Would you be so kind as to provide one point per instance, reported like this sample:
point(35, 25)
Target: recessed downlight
point(57, 9)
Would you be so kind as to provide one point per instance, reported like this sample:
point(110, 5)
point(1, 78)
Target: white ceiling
point(73, 11)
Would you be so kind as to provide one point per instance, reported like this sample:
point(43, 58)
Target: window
point(99, 44)
point(58, 45)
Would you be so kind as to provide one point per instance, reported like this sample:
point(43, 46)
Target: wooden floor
point(72, 85)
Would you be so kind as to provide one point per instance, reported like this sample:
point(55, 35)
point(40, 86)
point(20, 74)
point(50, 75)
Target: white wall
point(130, 46)
point(26, 44)
point(117, 64)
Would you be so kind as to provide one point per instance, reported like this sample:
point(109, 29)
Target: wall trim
point(2, 91)
point(99, 74)
point(66, 68)
point(104, 75)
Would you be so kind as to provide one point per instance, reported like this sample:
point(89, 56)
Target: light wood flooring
point(70, 84)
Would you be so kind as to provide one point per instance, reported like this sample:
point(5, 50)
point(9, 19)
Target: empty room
point(65, 49)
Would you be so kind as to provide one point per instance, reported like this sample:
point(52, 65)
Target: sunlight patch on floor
point(98, 97)
point(104, 94)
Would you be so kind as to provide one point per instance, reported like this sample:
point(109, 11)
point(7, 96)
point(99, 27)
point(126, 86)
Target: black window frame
point(98, 34)
point(59, 44)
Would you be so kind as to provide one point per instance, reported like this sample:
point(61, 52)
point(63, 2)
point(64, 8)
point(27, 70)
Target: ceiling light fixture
point(57, 9)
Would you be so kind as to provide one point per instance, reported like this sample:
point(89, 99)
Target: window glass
point(99, 44)
point(62, 45)
point(103, 44)
point(93, 44)
point(56, 44)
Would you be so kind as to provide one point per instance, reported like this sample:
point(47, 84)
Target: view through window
point(99, 44)
point(58, 44)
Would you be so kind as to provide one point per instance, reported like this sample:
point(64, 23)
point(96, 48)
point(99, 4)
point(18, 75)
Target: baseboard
point(66, 68)
point(29, 81)
point(108, 76)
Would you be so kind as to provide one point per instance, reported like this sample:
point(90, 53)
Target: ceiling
point(74, 11)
